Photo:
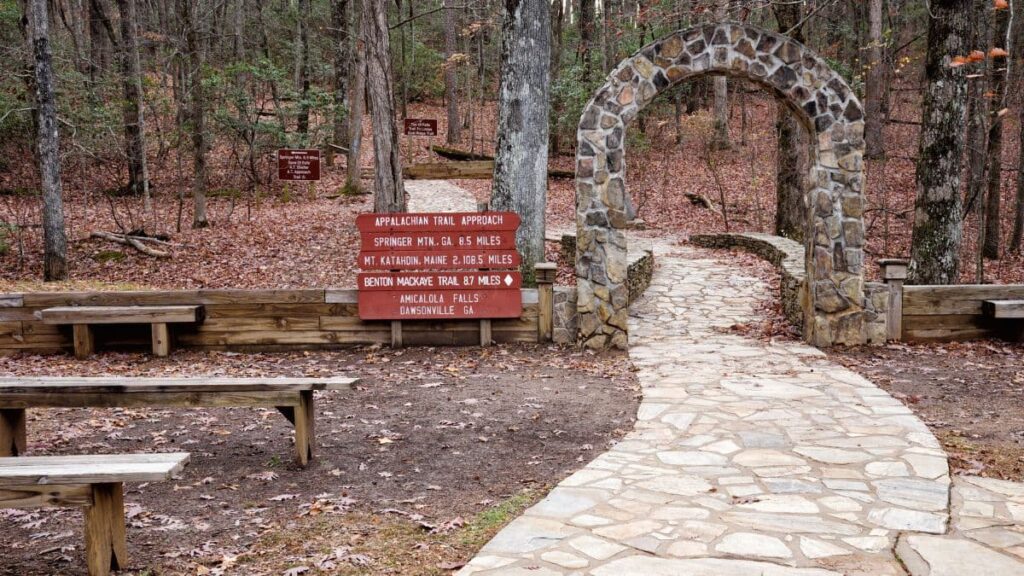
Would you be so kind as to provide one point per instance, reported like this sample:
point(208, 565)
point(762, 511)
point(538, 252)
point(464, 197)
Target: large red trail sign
point(432, 266)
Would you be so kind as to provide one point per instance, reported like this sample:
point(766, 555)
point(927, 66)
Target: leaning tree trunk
point(389, 193)
point(134, 120)
point(935, 245)
point(342, 52)
point(993, 230)
point(874, 89)
point(197, 114)
point(55, 243)
point(720, 139)
point(791, 159)
point(521, 156)
point(451, 85)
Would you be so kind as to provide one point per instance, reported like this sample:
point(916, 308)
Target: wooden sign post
point(419, 127)
point(299, 165)
point(439, 266)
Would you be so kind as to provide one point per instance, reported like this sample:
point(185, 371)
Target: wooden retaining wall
point(943, 313)
point(259, 320)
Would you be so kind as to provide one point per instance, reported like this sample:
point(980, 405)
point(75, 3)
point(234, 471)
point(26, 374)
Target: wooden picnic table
point(293, 397)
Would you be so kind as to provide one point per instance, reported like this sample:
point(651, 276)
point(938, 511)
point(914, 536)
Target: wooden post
point(486, 334)
point(106, 546)
point(894, 274)
point(396, 333)
point(545, 273)
point(161, 339)
point(305, 419)
point(85, 344)
point(13, 436)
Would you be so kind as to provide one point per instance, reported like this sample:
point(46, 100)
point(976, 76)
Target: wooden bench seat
point(158, 317)
point(95, 483)
point(1003, 309)
point(293, 397)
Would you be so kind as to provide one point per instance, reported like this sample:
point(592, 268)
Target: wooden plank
point(306, 296)
point(269, 310)
point(52, 496)
point(260, 337)
point(38, 328)
point(341, 296)
point(305, 419)
point(44, 470)
point(161, 339)
point(253, 324)
point(11, 301)
point(121, 314)
point(955, 299)
point(18, 314)
point(10, 328)
point(106, 545)
point(138, 385)
point(119, 298)
point(1003, 308)
point(148, 400)
point(950, 321)
point(85, 343)
point(13, 436)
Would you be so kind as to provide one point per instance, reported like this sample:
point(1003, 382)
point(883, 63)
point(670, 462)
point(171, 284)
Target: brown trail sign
point(432, 266)
point(420, 127)
point(301, 165)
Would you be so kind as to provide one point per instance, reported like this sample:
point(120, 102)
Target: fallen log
point(456, 154)
point(468, 170)
point(133, 241)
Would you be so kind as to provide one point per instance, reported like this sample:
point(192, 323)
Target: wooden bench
point(293, 397)
point(95, 483)
point(1003, 309)
point(82, 317)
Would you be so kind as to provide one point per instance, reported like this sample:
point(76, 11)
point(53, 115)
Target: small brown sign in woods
point(301, 165)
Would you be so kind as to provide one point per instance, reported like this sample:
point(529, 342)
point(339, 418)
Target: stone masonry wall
point(799, 79)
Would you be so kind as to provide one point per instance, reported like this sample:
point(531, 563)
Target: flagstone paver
point(754, 458)
point(438, 196)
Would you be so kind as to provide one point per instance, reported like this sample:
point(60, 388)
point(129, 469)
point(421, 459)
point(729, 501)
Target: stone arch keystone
point(833, 294)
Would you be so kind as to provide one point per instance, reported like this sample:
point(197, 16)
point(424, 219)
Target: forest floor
point(416, 468)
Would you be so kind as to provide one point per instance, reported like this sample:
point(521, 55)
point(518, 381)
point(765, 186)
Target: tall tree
point(977, 118)
point(389, 193)
point(451, 85)
point(134, 119)
point(791, 161)
point(720, 138)
point(586, 47)
point(302, 66)
point(357, 109)
point(999, 67)
point(1017, 31)
point(55, 243)
point(521, 156)
point(935, 245)
point(874, 88)
point(342, 61)
point(197, 110)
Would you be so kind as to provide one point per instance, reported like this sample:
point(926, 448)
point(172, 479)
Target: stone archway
point(833, 294)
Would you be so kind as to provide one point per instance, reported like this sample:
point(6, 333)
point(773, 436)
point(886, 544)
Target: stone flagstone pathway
point(756, 458)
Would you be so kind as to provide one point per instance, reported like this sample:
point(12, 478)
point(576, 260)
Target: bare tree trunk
point(993, 230)
point(612, 14)
point(451, 86)
point(521, 158)
point(874, 90)
point(302, 81)
point(791, 164)
point(1017, 240)
point(977, 115)
point(134, 119)
point(557, 24)
point(1017, 31)
point(55, 243)
point(935, 248)
point(586, 47)
point(197, 115)
point(357, 80)
point(389, 192)
point(720, 139)
point(98, 44)
point(342, 63)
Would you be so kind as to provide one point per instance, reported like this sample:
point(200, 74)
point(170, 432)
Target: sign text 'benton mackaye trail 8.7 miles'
point(439, 265)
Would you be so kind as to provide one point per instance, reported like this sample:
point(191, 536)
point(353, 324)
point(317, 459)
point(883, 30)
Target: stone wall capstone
point(819, 97)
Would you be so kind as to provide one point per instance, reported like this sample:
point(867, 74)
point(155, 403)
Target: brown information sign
point(420, 127)
point(432, 266)
point(302, 165)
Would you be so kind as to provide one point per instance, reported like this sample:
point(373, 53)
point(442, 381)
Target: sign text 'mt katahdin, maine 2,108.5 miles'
point(438, 266)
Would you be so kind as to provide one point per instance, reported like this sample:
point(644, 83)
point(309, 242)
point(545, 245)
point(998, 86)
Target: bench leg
point(106, 546)
point(304, 427)
point(13, 436)
point(161, 339)
point(85, 344)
